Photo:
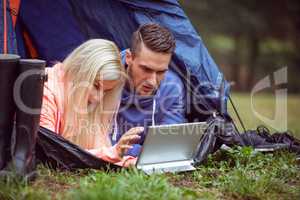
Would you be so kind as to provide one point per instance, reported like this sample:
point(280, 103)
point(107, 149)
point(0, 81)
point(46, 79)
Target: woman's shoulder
point(54, 77)
point(53, 87)
point(54, 71)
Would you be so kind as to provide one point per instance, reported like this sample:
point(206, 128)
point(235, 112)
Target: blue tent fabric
point(56, 28)
point(11, 37)
point(51, 26)
point(105, 19)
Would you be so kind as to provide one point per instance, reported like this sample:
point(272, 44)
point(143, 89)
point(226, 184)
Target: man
point(153, 94)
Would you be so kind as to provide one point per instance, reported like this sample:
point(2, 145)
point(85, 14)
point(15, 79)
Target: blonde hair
point(94, 59)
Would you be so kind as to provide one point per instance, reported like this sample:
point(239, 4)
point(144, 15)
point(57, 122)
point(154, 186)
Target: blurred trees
point(249, 38)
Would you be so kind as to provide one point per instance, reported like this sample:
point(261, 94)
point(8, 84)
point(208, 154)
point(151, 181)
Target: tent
point(50, 30)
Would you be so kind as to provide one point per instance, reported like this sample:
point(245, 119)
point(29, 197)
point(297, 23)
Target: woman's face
point(98, 90)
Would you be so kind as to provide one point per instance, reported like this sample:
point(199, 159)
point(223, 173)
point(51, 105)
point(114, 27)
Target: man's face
point(147, 69)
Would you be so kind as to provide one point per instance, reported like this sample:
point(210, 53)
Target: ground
point(239, 173)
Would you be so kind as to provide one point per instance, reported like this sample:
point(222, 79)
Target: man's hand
point(129, 138)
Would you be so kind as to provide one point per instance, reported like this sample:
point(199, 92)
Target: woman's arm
point(115, 153)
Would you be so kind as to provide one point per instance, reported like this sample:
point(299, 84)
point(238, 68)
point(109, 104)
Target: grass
point(239, 173)
point(245, 174)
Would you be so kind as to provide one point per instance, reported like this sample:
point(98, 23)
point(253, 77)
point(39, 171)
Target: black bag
point(222, 131)
point(57, 152)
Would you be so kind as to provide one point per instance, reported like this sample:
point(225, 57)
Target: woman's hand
point(129, 138)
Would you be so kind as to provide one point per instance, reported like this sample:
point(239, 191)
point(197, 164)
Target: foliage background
point(250, 39)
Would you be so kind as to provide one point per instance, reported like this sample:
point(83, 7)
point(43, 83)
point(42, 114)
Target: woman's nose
point(96, 96)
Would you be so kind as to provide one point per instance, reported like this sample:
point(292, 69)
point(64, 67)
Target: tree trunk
point(236, 61)
point(252, 62)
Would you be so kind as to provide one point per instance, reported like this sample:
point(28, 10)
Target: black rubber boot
point(28, 93)
point(8, 74)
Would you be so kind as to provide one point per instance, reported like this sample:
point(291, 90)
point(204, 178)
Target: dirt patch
point(185, 180)
point(182, 180)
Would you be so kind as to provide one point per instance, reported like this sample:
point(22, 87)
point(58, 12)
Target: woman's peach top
point(52, 116)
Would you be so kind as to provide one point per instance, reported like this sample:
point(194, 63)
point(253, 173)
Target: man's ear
point(128, 57)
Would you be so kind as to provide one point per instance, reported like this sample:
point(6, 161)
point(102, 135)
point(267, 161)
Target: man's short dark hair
point(155, 37)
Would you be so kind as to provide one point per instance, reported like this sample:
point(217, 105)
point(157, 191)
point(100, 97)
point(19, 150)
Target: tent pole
point(237, 114)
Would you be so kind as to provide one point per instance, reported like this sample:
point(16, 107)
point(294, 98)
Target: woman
point(81, 98)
